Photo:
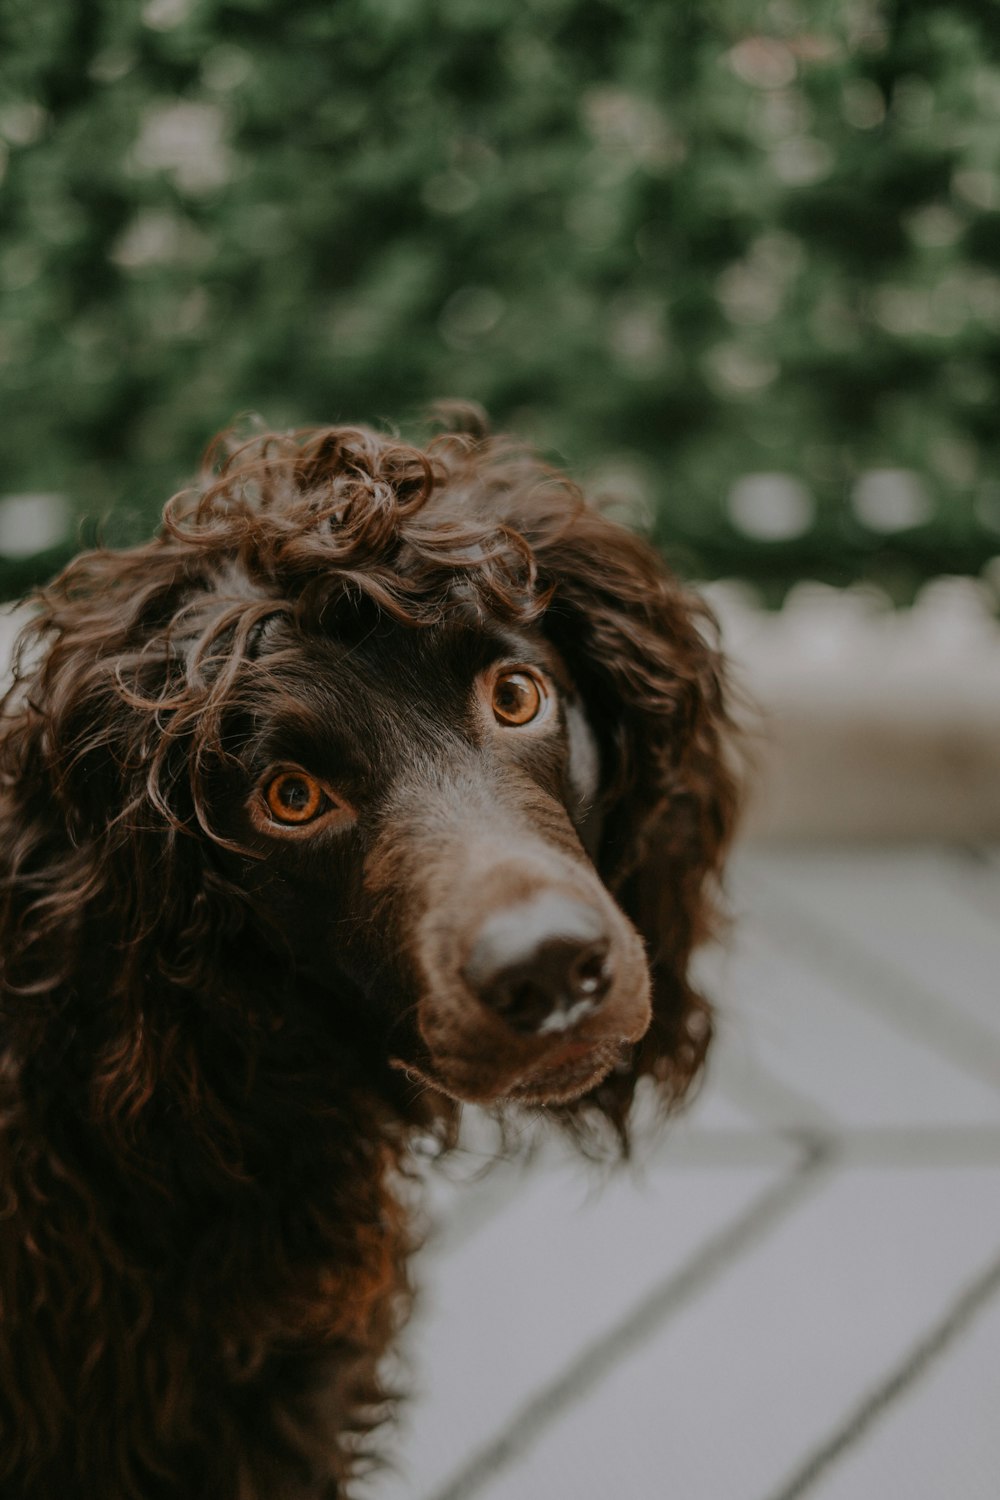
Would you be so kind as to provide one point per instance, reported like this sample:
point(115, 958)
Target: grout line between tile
point(920, 1146)
point(986, 856)
point(543, 1407)
point(972, 1300)
point(975, 878)
point(890, 1146)
point(868, 980)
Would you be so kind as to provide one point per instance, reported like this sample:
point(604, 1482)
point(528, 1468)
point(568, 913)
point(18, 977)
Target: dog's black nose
point(542, 965)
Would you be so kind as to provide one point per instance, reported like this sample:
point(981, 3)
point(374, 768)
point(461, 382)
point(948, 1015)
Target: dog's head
point(418, 731)
point(415, 803)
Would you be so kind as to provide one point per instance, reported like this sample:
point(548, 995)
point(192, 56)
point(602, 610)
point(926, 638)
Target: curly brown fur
point(222, 1032)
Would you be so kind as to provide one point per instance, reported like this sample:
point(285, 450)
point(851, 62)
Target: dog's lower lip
point(570, 1053)
point(578, 1063)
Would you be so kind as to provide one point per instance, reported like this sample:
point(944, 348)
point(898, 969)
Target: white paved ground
point(798, 1293)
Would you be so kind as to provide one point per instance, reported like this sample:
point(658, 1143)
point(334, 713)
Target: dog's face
point(410, 745)
point(416, 803)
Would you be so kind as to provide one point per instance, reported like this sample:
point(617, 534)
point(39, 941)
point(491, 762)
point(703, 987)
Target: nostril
point(590, 975)
point(541, 966)
point(522, 1005)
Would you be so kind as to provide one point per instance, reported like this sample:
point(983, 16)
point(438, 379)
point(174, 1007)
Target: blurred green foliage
point(675, 244)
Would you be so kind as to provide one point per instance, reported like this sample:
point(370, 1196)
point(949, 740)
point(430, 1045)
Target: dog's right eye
point(295, 797)
point(518, 698)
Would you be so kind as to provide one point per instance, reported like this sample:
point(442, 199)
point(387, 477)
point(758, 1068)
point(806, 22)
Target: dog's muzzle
point(541, 965)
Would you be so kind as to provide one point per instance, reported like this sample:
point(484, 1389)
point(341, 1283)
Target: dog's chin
point(562, 1078)
point(560, 1082)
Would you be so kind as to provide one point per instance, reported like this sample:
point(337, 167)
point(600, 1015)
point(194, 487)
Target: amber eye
point(517, 698)
point(294, 797)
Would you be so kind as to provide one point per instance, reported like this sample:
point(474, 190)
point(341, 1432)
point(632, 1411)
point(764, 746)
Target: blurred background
point(738, 262)
point(736, 265)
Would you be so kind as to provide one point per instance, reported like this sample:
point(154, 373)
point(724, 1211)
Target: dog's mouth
point(573, 1071)
point(559, 1076)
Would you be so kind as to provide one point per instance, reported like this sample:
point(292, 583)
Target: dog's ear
point(105, 892)
point(642, 651)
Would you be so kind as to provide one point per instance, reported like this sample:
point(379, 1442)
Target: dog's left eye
point(518, 697)
point(295, 797)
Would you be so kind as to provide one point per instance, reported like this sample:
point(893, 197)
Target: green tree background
point(735, 263)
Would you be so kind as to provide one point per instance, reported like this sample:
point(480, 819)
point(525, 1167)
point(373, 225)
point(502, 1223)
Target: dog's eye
point(294, 797)
point(517, 698)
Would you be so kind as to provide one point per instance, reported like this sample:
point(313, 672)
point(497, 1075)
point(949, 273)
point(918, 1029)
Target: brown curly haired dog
point(383, 779)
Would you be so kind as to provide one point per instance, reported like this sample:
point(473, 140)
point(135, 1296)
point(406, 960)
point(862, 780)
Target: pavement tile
point(940, 1439)
point(928, 914)
point(752, 1375)
point(512, 1306)
point(848, 1065)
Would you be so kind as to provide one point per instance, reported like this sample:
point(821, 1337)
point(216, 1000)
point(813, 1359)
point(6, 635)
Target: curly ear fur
point(641, 649)
point(106, 894)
